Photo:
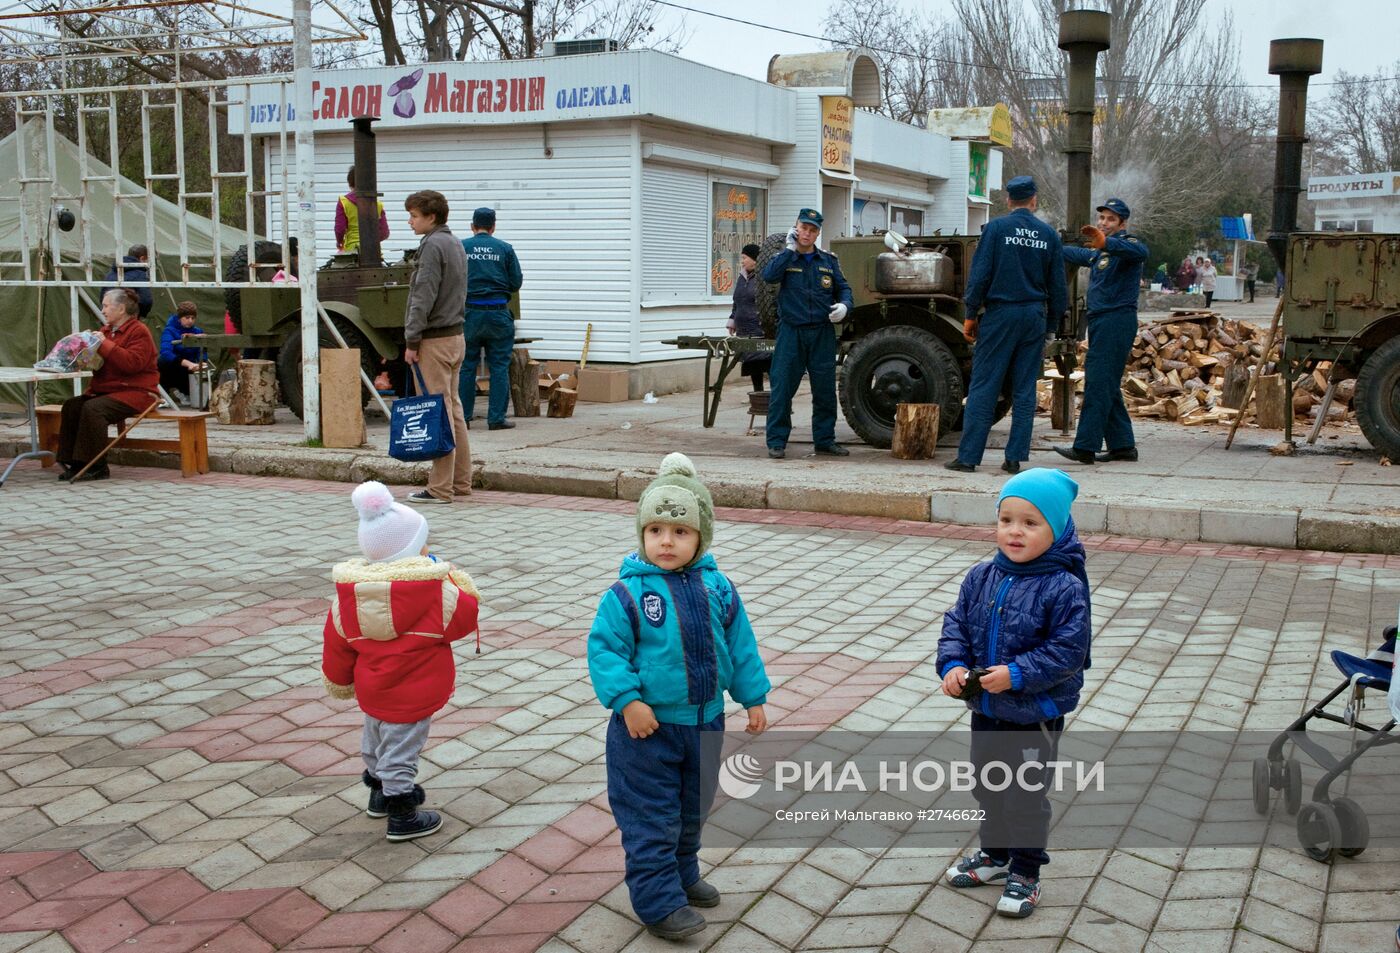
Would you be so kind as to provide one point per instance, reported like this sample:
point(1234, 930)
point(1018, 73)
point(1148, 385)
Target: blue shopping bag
point(419, 427)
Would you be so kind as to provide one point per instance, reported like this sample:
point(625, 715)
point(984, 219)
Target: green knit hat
point(677, 497)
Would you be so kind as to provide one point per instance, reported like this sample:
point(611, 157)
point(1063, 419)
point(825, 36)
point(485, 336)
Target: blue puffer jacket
point(676, 640)
point(1032, 617)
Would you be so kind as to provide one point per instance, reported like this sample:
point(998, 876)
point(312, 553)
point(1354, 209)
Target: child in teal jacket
point(670, 638)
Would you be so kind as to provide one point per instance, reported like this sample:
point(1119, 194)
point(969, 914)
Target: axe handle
point(1254, 373)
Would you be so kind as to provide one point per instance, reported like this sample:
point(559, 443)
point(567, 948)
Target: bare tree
point(438, 30)
point(1358, 123)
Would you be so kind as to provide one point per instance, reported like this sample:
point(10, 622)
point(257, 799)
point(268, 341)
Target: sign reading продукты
point(445, 93)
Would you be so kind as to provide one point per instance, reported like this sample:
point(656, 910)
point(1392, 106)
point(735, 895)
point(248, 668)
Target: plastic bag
point(73, 352)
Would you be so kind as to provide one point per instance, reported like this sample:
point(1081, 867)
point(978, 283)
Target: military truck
point(1341, 303)
point(902, 341)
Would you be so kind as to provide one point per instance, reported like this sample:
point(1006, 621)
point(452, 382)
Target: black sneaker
point(958, 465)
point(833, 450)
point(678, 925)
point(701, 894)
point(423, 497)
point(502, 425)
point(1019, 897)
point(1011, 466)
point(776, 453)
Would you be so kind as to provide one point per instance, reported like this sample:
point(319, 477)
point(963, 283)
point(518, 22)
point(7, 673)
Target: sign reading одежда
point(838, 129)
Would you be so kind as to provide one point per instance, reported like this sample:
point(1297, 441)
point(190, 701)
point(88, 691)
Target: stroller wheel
point(1292, 785)
point(1262, 792)
point(1319, 831)
point(1356, 830)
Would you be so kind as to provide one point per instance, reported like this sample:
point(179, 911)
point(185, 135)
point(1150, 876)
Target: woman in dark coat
point(743, 318)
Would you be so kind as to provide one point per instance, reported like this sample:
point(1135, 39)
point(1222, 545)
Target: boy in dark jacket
point(1022, 620)
point(177, 362)
point(670, 638)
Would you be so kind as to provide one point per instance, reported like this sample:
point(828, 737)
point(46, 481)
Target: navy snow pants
point(660, 789)
point(1103, 417)
point(1016, 822)
point(809, 349)
point(1010, 342)
point(491, 330)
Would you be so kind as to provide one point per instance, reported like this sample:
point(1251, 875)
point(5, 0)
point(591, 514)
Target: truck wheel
point(289, 361)
point(1378, 398)
point(766, 294)
point(893, 366)
point(238, 271)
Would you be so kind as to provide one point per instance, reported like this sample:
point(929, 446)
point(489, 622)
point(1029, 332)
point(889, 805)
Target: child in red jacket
point(388, 645)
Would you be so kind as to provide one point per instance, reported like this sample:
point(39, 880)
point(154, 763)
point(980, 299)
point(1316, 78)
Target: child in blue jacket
point(670, 637)
point(1024, 618)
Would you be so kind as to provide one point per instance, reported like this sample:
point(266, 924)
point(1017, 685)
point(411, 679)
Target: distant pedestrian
point(493, 275)
point(387, 643)
point(1018, 275)
point(1022, 622)
point(432, 332)
point(743, 316)
point(1205, 274)
point(1250, 272)
point(1114, 260)
point(671, 637)
point(135, 267)
point(813, 300)
point(1185, 275)
point(347, 219)
point(1163, 278)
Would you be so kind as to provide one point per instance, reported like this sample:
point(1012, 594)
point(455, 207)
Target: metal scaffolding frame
point(241, 25)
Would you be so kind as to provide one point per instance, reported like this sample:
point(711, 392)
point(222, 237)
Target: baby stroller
point(1328, 826)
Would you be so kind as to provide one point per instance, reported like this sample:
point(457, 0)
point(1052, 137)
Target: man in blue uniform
point(813, 300)
point(1115, 262)
point(493, 275)
point(1017, 275)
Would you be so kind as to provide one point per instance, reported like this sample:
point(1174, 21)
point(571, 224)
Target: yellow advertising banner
point(838, 129)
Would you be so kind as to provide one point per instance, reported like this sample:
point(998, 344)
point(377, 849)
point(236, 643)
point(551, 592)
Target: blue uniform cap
point(1050, 491)
point(484, 218)
point(1116, 206)
point(811, 216)
point(1021, 188)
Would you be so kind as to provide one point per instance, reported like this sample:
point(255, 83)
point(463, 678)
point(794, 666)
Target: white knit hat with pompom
point(388, 530)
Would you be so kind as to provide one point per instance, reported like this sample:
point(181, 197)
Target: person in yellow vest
point(347, 219)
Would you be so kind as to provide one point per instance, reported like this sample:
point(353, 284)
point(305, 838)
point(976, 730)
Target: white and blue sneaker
point(1019, 897)
point(975, 870)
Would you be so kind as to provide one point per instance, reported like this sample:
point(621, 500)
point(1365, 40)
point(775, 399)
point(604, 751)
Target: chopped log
point(253, 397)
point(1302, 402)
point(1232, 391)
point(1270, 402)
point(1151, 410)
point(524, 383)
point(1178, 407)
point(1346, 391)
point(915, 431)
point(1202, 360)
point(1134, 386)
point(1200, 419)
point(561, 402)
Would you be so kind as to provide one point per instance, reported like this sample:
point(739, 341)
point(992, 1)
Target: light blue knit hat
point(1050, 491)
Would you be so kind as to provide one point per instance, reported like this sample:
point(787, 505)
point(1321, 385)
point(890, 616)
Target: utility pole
point(306, 220)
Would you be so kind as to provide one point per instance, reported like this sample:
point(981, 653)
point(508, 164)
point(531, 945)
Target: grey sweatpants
point(391, 752)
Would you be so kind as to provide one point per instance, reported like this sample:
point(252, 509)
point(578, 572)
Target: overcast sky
point(1360, 35)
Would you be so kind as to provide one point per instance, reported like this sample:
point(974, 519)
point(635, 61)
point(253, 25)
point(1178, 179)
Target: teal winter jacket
point(676, 640)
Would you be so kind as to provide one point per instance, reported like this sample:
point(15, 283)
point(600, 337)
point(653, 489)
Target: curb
point(1286, 529)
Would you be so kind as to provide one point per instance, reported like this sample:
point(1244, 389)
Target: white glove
point(791, 244)
point(837, 313)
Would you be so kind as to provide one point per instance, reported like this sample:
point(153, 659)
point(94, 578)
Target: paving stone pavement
point(173, 778)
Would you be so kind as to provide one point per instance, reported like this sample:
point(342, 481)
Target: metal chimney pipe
point(1292, 61)
point(367, 191)
point(1084, 34)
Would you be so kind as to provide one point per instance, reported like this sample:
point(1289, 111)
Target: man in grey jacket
point(432, 331)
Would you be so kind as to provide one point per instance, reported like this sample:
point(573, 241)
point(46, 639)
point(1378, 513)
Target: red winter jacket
point(388, 635)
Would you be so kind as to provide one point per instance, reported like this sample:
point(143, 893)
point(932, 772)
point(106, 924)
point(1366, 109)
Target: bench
point(192, 444)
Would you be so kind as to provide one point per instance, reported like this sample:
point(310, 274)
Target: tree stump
point(915, 431)
point(1271, 409)
point(561, 402)
point(251, 399)
point(524, 383)
point(1232, 391)
point(1062, 404)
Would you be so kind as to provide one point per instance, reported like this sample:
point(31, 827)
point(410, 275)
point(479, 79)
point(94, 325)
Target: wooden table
point(30, 378)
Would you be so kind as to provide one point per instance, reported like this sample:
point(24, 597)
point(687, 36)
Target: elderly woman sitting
point(122, 387)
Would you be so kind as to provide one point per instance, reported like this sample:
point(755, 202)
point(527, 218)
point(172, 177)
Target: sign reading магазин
point(443, 94)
